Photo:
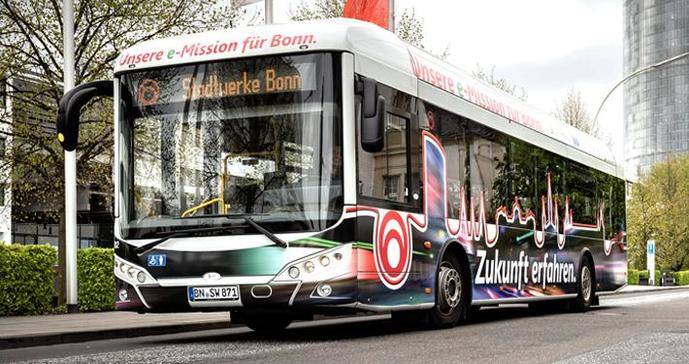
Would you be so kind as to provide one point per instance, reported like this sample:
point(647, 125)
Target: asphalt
point(636, 327)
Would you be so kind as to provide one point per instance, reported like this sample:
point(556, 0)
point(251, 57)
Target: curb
point(649, 290)
point(81, 336)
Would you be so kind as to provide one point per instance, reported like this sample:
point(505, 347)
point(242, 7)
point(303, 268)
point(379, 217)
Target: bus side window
point(451, 130)
point(384, 178)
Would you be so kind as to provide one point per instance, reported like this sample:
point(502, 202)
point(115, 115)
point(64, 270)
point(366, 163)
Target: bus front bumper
point(323, 279)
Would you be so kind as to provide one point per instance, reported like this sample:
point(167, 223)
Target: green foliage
point(633, 276)
point(643, 274)
point(656, 210)
point(96, 279)
point(682, 278)
point(31, 42)
point(26, 279)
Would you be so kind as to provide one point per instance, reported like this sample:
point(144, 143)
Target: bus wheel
point(268, 324)
point(452, 294)
point(585, 287)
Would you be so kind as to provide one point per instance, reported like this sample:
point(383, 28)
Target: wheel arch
point(585, 253)
point(453, 247)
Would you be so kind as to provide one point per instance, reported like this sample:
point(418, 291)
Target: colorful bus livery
point(352, 173)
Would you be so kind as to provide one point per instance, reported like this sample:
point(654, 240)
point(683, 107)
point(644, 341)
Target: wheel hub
point(586, 283)
point(449, 287)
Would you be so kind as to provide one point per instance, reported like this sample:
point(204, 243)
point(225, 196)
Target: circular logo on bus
point(148, 92)
point(392, 251)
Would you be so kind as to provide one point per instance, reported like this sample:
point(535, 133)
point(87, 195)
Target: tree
point(31, 43)
point(656, 211)
point(320, 9)
point(573, 111)
point(31, 54)
point(496, 81)
point(409, 27)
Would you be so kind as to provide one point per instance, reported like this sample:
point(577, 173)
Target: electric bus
point(328, 167)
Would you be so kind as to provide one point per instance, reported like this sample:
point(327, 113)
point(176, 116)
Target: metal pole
point(634, 74)
point(70, 166)
point(391, 15)
point(269, 11)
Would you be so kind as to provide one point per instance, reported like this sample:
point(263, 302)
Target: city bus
point(324, 168)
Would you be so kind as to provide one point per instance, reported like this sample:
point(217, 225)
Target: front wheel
point(585, 287)
point(452, 294)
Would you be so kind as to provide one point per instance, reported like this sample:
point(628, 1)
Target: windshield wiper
point(177, 234)
point(281, 243)
point(186, 232)
point(247, 217)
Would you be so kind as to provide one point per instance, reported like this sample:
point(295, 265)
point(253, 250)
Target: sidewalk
point(636, 289)
point(23, 331)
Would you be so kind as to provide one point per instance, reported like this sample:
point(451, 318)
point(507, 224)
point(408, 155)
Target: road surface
point(644, 327)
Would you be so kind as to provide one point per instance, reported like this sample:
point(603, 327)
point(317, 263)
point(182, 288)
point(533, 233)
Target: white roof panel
point(369, 43)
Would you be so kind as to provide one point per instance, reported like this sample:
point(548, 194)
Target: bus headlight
point(319, 267)
point(324, 260)
point(293, 272)
point(131, 273)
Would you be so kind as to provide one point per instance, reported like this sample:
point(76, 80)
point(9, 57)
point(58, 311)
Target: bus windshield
point(256, 137)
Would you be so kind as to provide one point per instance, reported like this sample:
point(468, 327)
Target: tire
point(452, 294)
point(586, 287)
point(270, 324)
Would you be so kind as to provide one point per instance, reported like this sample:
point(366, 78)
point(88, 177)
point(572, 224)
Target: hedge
point(682, 278)
point(96, 279)
point(26, 279)
point(632, 276)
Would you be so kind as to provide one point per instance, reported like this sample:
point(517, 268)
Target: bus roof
point(364, 40)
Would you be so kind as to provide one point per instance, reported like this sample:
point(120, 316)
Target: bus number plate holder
point(213, 294)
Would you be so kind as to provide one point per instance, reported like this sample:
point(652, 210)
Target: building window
point(391, 187)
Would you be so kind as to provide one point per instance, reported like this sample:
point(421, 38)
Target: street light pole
point(391, 15)
point(634, 74)
point(269, 11)
point(70, 166)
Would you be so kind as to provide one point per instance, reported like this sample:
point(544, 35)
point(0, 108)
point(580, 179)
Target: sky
point(545, 46)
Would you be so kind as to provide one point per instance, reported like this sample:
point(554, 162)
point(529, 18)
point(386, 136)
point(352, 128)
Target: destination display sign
point(223, 79)
point(269, 80)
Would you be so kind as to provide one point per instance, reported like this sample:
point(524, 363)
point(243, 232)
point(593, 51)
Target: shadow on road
point(369, 326)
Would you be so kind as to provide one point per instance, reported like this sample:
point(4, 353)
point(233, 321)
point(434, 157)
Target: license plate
point(225, 293)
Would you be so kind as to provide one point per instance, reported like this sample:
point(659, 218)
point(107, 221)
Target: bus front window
point(255, 137)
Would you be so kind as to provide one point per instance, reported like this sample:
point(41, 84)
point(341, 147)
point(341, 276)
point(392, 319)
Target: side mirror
point(70, 110)
point(372, 117)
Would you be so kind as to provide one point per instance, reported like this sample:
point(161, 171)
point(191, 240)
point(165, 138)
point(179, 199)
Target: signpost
point(651, 261)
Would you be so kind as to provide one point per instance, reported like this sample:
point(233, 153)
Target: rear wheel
point(268, 324)
point(452, 294)
point(586, 286)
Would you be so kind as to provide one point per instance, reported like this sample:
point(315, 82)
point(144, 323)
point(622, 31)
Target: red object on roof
point(373, 11)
